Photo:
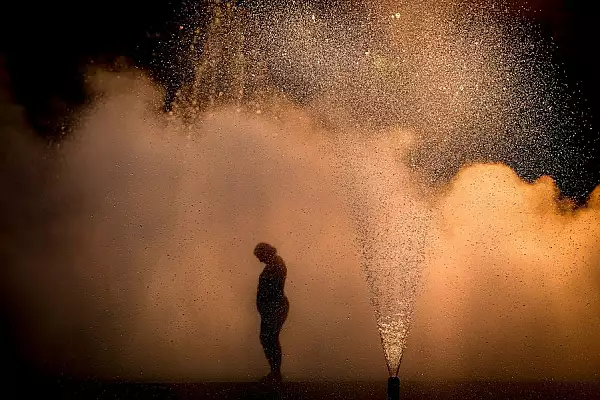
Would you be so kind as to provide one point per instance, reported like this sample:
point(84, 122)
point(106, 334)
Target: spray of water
point(468, 81)
point(392, 226)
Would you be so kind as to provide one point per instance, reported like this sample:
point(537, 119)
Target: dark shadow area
point(409, 390)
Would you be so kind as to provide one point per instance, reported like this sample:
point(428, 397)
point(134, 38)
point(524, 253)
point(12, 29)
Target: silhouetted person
point(272, 305)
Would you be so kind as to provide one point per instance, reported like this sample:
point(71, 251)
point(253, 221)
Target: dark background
point(46, 46)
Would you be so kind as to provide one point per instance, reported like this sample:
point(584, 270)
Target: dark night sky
point(47, 46)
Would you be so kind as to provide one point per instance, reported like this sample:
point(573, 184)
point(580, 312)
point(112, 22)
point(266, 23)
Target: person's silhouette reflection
point(272, 305)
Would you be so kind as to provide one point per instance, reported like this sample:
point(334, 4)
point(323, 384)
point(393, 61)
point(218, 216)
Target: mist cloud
point(127, 249)
point(134, 259)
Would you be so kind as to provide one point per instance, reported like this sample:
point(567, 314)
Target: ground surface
point(319, 390)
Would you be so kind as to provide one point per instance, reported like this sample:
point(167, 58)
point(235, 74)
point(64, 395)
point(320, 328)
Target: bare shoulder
point(279, 262)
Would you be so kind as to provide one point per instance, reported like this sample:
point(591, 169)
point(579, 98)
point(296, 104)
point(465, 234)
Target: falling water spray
point(452, 77)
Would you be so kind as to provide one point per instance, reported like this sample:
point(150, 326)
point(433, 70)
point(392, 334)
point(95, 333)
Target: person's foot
point(272, 378)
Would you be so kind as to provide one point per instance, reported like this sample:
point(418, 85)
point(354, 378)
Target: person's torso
point(271, 284)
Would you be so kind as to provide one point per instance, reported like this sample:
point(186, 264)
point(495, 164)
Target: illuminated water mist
point(336, 133)
point(457, 76)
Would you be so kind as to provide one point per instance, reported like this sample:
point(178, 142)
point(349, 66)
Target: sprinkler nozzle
point(393, 388)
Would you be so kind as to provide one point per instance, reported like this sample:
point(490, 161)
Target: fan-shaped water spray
point(459, 76)
point(391, 226)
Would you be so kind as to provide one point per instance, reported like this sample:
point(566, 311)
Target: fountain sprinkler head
point(394, 388)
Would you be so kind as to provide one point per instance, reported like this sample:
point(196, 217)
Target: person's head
point(265, 252)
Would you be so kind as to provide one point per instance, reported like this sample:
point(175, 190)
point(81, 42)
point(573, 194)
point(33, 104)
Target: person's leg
point(278, 320)
point(269, 338)
point(270, 327)
point(276, 354)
